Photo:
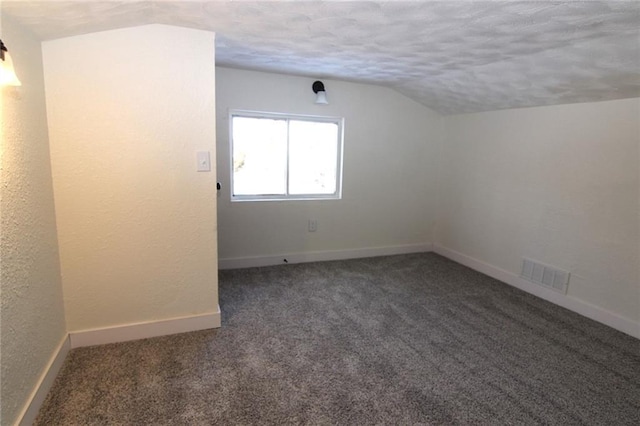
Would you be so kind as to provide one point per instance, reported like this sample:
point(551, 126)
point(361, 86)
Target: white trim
point(40, 391)
point(588, 310)
point(320, 256)
point(123, 333)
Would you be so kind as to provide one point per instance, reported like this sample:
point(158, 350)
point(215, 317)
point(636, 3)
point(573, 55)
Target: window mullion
point(288, 158)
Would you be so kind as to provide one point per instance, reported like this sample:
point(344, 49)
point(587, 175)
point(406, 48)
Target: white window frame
point(339, 121)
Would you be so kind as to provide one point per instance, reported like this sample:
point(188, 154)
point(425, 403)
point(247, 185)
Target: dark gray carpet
point(411, 339)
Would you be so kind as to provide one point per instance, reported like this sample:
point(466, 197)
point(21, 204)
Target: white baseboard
point(123, 333)
point(320, 256)
point(588, 310)
point(37, 397)
point(107, 335)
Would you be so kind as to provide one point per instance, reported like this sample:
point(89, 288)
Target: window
point(281, 157)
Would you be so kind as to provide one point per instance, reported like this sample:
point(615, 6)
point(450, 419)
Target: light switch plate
point(204, 161)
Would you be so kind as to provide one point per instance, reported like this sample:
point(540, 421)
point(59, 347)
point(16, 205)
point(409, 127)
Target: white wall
point(390, 144)
point(556, 184)
point(32, 322)
point(128, 110)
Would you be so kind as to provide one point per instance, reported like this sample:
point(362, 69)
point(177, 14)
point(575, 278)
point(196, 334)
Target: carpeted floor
point(410, 339)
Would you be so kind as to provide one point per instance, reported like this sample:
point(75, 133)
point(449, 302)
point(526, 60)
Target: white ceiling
point(452, 56)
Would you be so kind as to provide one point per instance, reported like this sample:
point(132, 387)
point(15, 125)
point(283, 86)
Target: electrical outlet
point(313, 225)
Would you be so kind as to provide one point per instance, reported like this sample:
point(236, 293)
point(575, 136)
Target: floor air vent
point(547, 276)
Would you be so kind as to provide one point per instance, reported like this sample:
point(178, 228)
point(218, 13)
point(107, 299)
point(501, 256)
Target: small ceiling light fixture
point(8, 75)
point(321, 94)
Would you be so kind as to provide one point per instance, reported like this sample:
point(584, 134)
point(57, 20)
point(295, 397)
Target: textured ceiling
point(452, 56)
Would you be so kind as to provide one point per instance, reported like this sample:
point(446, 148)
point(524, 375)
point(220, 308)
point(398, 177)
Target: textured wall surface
point(389, 175)
point(128, 110)
point(556, 184)
point(32, 322)
point(452, 56)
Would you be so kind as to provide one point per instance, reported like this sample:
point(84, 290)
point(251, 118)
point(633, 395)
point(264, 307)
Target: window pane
point(313, 154)
point(259, 156)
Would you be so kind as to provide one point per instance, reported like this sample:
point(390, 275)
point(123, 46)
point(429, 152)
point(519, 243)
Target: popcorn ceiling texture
point(454, 57)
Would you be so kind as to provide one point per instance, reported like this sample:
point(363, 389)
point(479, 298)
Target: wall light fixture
point(321, 94)
point(8, 75)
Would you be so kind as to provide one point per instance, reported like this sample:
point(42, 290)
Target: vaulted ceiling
point(452, 56)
